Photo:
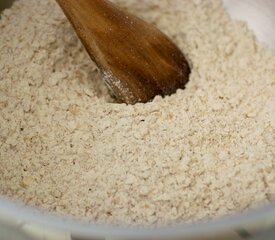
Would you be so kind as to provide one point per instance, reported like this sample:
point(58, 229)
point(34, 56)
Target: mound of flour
point(67, 147)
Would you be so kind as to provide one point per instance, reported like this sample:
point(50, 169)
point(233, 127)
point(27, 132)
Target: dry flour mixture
point(67, 147)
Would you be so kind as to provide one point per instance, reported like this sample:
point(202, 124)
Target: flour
point(67, 147)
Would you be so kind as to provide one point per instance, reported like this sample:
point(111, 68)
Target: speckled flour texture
point(67, 147)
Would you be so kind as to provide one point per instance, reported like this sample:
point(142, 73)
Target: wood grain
point(138, 61)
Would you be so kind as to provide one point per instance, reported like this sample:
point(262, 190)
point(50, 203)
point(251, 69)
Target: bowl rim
point(21, 214)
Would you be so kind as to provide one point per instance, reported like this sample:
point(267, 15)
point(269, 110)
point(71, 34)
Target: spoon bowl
point(137, 60)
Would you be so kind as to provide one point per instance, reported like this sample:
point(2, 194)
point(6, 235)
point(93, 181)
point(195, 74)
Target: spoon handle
point(90, 20)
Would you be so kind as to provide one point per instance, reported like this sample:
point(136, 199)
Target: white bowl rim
point(28, 215)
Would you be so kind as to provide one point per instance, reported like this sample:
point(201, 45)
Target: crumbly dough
point(67, 147)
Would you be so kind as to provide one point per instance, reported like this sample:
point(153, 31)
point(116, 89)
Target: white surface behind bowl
point(259, 15)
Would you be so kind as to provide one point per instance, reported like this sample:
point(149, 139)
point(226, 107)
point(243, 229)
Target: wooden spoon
point(137, 60)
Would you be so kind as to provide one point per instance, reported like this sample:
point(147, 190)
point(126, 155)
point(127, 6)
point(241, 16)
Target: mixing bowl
point(21, 223)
